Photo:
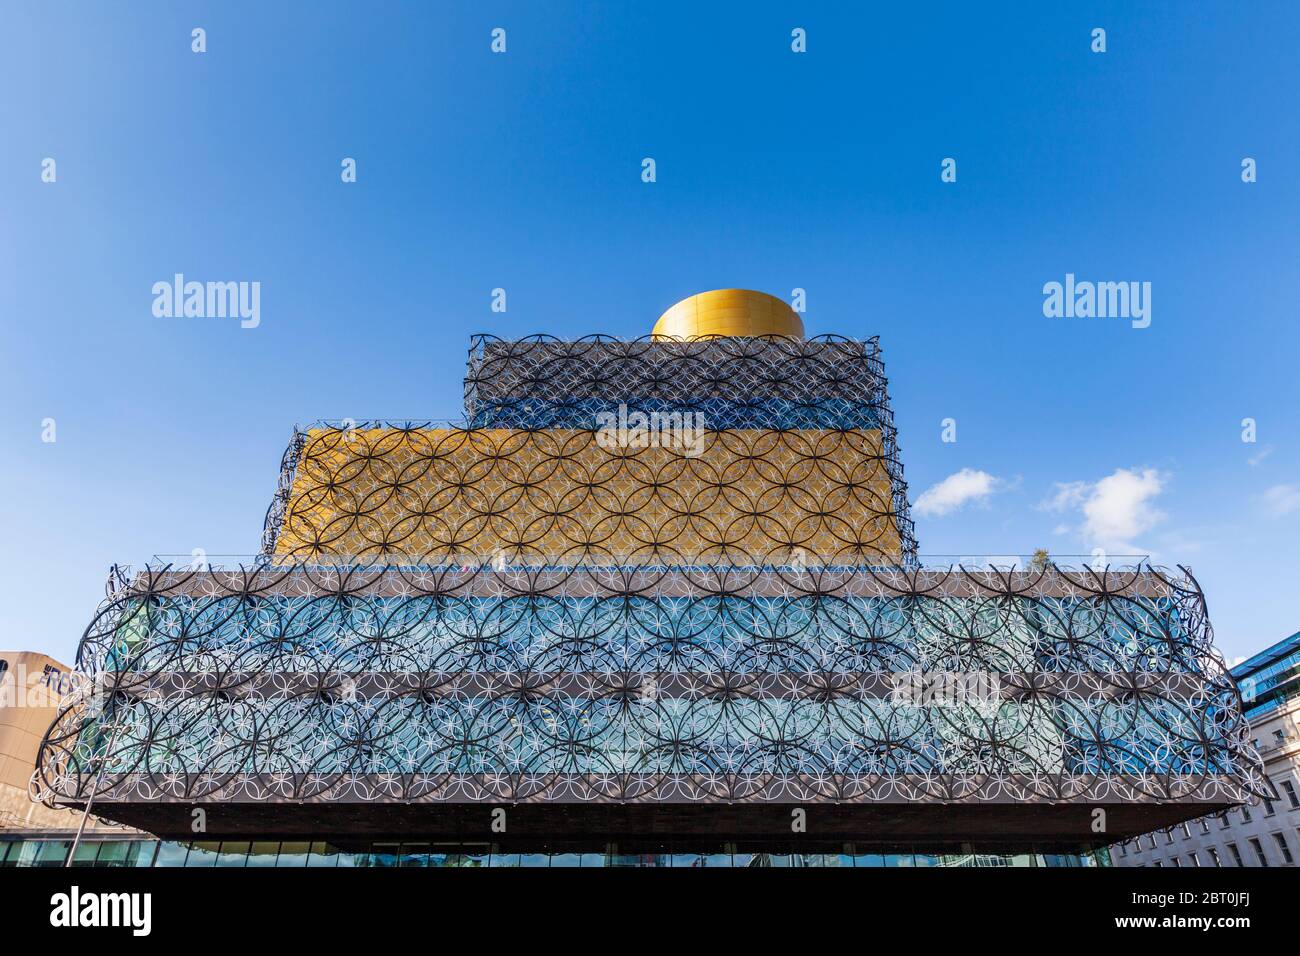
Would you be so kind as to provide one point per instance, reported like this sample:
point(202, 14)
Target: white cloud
point(1114, 510)
point(1282, 500)
point(1068, 495)
point(956, 491)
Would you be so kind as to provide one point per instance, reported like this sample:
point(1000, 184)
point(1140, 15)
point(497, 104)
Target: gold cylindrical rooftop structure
point(735, 312)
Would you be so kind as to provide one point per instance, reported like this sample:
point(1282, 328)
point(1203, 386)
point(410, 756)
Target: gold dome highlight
point(734, 312)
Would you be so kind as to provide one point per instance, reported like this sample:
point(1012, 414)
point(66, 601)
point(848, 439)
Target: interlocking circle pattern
point(509, 609)
point(676, 684)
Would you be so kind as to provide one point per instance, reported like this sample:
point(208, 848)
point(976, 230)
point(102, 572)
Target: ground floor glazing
point(43, 852)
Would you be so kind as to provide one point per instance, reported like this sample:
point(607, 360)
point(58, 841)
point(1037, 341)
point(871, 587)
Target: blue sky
point(775, 170)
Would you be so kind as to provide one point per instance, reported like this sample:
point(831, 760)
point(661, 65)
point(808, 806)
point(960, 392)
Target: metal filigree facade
point(511, 610)
point(758, 684)
point(381, 494)
point(796, 451)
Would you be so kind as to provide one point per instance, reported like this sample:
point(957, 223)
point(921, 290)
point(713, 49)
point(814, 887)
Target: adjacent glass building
point(650, 600)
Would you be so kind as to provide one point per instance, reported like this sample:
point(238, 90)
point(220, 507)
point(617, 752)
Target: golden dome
point(739, 312)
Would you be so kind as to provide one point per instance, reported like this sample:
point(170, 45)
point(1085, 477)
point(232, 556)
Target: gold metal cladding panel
point(556, 494)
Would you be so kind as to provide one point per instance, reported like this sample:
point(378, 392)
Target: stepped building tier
point(655, 589)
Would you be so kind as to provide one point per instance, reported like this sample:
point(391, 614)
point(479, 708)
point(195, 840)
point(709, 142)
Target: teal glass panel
point(171, 854)
point(51, 852)
point(141, 853)
point(87, 852)
point(113, 853)
point(203, 854)
point(23, 853)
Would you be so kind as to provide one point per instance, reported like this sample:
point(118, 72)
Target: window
point(1279, 738)
point(1187, 831)
point(291, 854)
point(1152, 838)
point(1173, 861)
point(1214, 856)
point(1268, 807)
point(324, 854)
point(22, 853)
point(1259, 851)
point(51, 852)
point(85, 855)
point(171, 854)
point(1205, 824)
point(1169, 835)
point(4, 666)
point(1123, 851)
point(386, 854)
point(1236, 855)
point(1283, 848)
point(1289, 788)
point(263, 854)
point(1194, 859)
point(1224, 822)
point(1156, 863)
point(126, 853)
point(1245, 813)
point(233, 853)
point(203, 854)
